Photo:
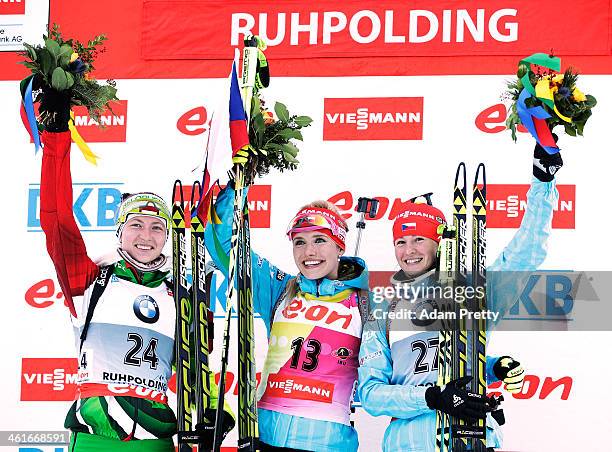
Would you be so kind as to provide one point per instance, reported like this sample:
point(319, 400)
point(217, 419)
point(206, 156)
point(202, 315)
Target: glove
point(510, 372)
point(55, 109)
point(546, 165)
point(452, 399)
point(207, 431)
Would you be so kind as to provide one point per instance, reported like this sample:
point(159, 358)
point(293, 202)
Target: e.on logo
point(48, 379)
point(493, 120)
point(506, 204)
point(114, 124)
point(231, 382)
point(193, 122)
point(373, 118)
point(12, 7)
point(389, 208)
point(43, 294)
point(540, 387)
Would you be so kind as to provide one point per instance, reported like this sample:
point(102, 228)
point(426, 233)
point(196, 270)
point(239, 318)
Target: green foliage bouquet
point(270, 139)
point(67, 65)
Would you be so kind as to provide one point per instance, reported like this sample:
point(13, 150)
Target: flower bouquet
point(66, 65)
point(270, 139)
point(543, 98)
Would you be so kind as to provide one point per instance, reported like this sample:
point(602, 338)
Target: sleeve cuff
point(418, 396)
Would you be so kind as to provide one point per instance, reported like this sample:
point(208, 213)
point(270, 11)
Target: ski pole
point(369, 206)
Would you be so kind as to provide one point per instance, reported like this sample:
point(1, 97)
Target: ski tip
point(196, 193)
point(177, 195)
point(481, 167)
point(460, 171)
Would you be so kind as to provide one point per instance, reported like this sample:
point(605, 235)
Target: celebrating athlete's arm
point(75, 270)
point(268, 281)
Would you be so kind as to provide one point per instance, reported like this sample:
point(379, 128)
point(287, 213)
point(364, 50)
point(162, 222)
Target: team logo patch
point(342, 353)
point(146, 309)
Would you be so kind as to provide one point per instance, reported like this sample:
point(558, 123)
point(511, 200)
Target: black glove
point(207, 431)
point(546, 165)
point(55, 109)
point(510, 372)
point(452, 399)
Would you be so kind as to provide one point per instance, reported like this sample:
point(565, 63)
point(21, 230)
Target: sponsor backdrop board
point(381, 134)
point(22, 21)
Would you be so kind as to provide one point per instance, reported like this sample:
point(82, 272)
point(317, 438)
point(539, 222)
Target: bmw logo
point(146, 309)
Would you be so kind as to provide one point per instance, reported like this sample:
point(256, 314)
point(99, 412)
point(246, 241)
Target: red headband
point(320, 219)
point(419, 219)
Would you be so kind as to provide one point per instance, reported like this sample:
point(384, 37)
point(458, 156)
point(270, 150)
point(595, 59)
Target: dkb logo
point(94, 206)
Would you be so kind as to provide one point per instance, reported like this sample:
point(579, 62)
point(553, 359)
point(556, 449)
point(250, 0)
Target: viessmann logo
point(114, 124)
point(506, 204)
point(300, 388)
point(48, 379)
point(373, 118)
point(12, 7)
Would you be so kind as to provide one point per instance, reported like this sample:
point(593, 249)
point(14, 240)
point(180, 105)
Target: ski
point(247, 381)
point(239, 268)
point(462, 348)
point(460, 336)
point(446, 277)
point(183, 318)
point(200, 309)
point(252, 80)
point(236, 226)
point(479, 280)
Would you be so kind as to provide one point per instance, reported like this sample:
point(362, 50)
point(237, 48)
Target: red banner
point(12, 7)
point(374, 118)
point(318, 28)
point(48, 379)
point(259, 200)
point(146, 30)
point(112, 126)
point(506, 205)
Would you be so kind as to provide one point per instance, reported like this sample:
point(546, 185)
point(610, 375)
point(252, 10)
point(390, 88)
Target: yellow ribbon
point(80, 142)
point(212, 214)
point(544, 92)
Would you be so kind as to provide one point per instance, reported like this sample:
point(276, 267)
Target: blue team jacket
point(386, 389)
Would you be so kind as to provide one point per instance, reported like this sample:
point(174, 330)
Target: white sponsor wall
point(156, 153)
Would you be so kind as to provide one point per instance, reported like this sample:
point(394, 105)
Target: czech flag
point(228, 134)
